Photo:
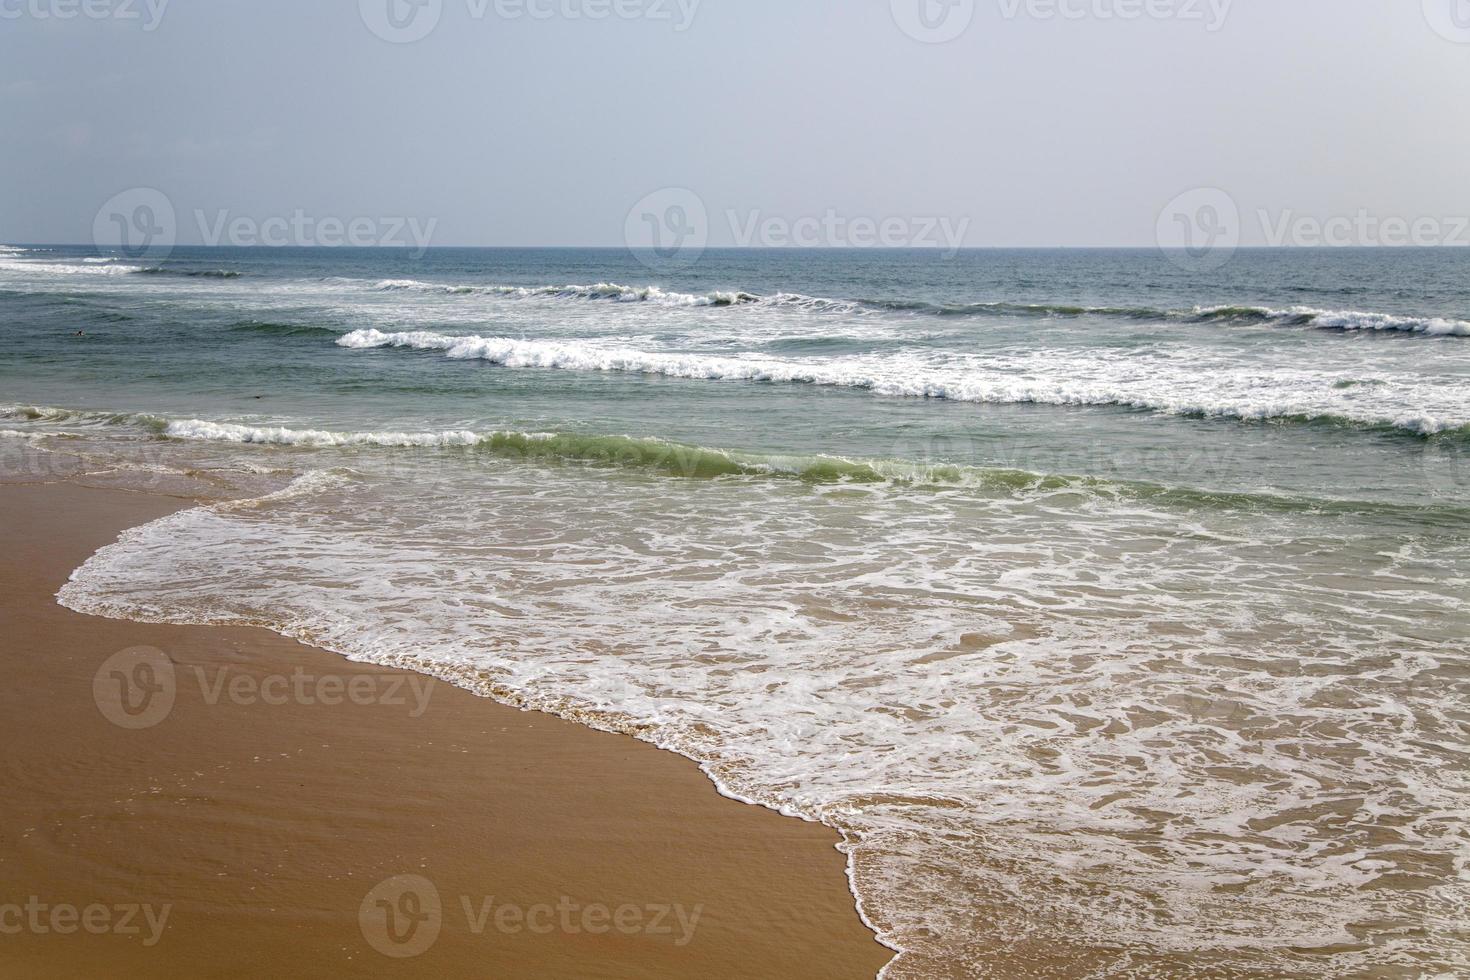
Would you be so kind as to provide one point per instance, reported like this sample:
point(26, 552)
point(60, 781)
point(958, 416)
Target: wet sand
point(262, 821)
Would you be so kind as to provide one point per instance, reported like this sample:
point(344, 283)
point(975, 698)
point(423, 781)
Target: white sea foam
point(1345, 320)
point(1356, 320)
point(54, 268)
point(600, 291)
point(283, 436)
point(1131, 733)
point(1133, 379)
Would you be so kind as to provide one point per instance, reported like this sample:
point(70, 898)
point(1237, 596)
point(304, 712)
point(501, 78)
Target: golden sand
point(294, 814)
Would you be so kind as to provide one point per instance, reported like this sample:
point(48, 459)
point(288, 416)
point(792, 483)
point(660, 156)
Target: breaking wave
point(1296, 316)
point(159, 270)
point(1045, 379)
point(601, 291)
point(706, 463)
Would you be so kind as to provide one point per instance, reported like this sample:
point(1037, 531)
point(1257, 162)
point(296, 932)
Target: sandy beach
point(295, 814)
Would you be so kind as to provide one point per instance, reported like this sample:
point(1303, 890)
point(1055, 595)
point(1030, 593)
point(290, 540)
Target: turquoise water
point(1116, 614)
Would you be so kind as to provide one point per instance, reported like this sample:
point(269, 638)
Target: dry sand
point(261, 828)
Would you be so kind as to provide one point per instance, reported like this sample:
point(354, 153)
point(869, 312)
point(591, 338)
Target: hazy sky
point(1044, 122)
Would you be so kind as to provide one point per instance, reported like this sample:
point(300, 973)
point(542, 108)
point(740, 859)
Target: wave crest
point(987, 382)
point(600, 291)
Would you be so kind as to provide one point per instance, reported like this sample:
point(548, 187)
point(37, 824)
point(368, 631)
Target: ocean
point(1116, 614)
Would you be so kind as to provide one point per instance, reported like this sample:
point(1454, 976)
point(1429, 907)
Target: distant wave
point(981, 382)
point(1341, 321)
point(189, 273)
point(59, 268)
point(1295, 316)
point(1345, 320)
point(272, 329)
point(601, 291)
point(104, 266)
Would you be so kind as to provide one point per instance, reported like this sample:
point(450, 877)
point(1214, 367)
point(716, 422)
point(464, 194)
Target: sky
point(547, 122)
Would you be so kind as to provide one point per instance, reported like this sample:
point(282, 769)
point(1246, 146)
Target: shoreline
point(288, 804)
